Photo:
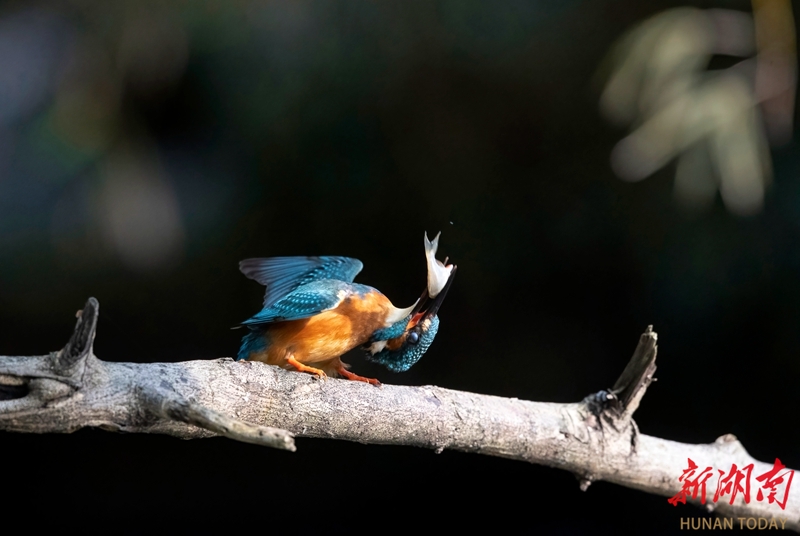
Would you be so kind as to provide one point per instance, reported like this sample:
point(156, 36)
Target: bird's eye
point(413, 337)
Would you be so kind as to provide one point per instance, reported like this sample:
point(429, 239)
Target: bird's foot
point(305, 368)
point(355, 377)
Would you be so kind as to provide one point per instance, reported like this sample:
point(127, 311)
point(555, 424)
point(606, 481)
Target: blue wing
point(282, 275)
point(305, 301)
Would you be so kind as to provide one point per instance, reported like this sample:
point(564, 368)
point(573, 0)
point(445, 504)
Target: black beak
point(427, 306)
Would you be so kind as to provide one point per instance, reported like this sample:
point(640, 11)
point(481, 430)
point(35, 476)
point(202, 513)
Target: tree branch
point(596, 439)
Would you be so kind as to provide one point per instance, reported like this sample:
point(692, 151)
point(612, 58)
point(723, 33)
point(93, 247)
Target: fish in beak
point(440, 277)
point(438, 272)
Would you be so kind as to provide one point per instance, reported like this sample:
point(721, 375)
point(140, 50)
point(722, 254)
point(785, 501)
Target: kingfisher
point(313, 313)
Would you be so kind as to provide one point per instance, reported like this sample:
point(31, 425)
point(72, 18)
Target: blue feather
point(254, 341)
point(403, 358)
point(392, 332)
point(305, 301)
point(282, 275)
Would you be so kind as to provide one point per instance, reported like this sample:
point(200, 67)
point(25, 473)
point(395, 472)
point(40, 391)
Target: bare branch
point(596, 439)
point(636, 378)
point(182, 411)
point(80, 344)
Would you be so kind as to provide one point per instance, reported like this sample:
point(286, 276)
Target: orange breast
point(327, 335)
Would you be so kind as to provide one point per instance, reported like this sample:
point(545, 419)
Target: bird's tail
point(253, 341)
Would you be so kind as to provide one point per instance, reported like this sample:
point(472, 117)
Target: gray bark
point(596, 439)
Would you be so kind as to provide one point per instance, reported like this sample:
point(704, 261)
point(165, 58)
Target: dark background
point(146, 148)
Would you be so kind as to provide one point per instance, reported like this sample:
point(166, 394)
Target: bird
point(313, 313)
